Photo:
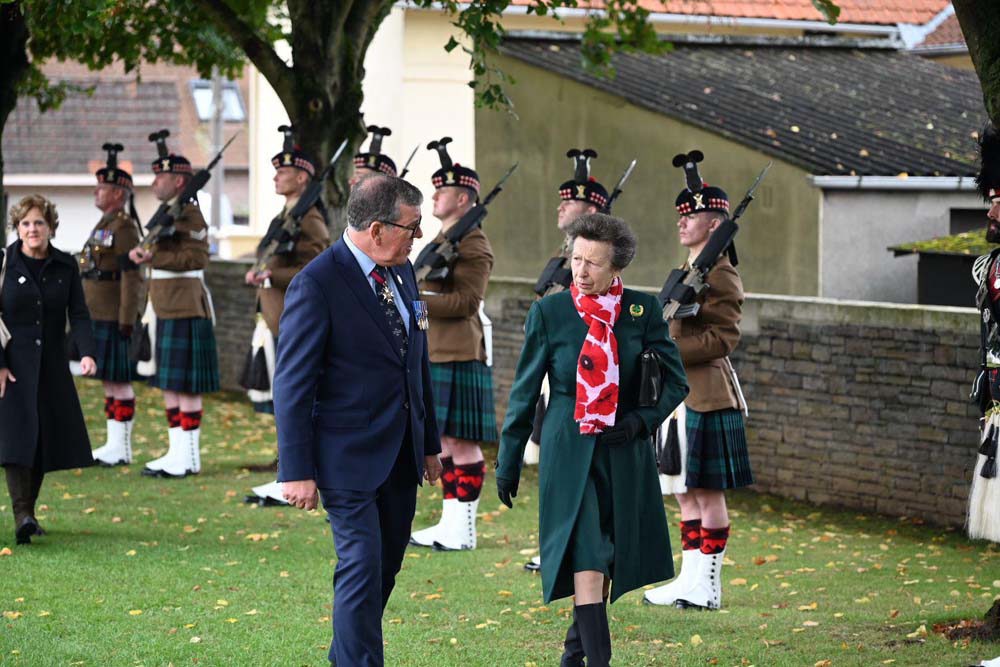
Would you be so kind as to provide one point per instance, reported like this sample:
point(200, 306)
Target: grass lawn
point(137, 571)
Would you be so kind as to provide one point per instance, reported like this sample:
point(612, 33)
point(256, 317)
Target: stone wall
point(234, 317)
point(854, 404)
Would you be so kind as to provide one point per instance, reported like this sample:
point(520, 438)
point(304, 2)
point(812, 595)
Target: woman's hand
point(5, 377)
point(88, 366)
point(627, 429)
point(506, 489)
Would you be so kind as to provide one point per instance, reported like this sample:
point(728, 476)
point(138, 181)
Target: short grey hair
point(606, 229)
point(377, 198)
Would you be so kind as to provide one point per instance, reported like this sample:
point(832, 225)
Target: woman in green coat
point(601, 517)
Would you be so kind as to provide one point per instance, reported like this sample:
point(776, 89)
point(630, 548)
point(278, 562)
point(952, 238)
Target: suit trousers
point(370, 532)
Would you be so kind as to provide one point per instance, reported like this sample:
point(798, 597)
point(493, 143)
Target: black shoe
point(27, 528)
point(149, 472)
point(533, 565)
point(254, 499)
point(684, 604)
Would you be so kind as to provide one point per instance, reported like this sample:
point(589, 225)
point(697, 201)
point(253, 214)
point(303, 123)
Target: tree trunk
point(13, 67)
point(980, 22)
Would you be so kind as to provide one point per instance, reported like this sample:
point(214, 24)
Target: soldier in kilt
point(293, 170)
point(112, 286)
point(461, 377)
point(373, 161)
point(717, 457)
point(186, 363)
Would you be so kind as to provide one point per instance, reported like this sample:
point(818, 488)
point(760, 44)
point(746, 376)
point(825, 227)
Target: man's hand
point(301, 493)
point(507, 489)
point(126, 330)
point(256, 279)
point(139, 255)
point(432, 468)
point(88, 366)
point(5, 377)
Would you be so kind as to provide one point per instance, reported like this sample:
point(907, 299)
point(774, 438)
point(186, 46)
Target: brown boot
point(20, 485)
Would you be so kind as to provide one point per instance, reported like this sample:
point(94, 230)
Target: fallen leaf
point(919, 632)
point(135, 612)
point(696, 640)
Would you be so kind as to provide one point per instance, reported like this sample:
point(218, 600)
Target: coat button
point(406, 405)
point(38, 342)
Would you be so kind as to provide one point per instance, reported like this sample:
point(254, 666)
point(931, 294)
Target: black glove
point(624, 431)
point(506, 489)
point(126, 330)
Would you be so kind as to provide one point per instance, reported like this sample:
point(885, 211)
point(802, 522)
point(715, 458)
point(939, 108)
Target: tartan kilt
point(113, 364)
point(186, 358)
point(463, 400)
point(717, 450)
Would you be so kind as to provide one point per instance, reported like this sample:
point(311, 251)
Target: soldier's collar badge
point(636, 310)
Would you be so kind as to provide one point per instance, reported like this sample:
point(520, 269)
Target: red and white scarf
point(597, 366)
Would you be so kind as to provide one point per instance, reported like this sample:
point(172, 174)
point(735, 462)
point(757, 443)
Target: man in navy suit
point(354, 407)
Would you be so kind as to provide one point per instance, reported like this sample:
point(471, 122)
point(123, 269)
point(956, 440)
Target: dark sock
point(174, 417)
point(109, 409)
point(448, 478)
point(691, 534)
point(124, 410)
point(191, 421)
point(469, 481)
point(713, 540)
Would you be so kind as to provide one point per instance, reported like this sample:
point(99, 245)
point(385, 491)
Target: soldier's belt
point(163, 274)
point(97, 274)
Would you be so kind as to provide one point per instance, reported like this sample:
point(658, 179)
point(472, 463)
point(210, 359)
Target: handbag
point(4, 331)
point(650, 378)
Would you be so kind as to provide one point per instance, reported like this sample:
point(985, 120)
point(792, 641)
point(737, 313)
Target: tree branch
point(260, 52)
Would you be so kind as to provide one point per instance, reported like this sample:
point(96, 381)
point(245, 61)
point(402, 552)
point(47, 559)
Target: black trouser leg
point(592, 620)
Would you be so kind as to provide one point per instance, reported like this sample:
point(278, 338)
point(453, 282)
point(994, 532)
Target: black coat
point(41, 423)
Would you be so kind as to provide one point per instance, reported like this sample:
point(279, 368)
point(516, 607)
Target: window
point(967, 220)
point(232, 102)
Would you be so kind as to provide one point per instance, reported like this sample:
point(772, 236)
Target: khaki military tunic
point(112, 284)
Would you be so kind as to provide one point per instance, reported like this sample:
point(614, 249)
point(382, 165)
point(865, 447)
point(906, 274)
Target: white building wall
point(858, 225)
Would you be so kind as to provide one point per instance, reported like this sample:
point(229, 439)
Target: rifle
point(618, 187)
point(435, 260)
point(556, 276)
point(683, 286)
point(283, 238)
point(161, 225)
point(406, 167)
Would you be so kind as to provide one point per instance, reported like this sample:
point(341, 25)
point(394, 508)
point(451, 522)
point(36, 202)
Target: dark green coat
point(554, 334)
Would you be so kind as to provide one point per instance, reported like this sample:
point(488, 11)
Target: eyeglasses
point(413, 229)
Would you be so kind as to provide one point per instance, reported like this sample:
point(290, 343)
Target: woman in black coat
point(41, 423)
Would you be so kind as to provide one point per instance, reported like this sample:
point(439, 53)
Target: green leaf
point(829, 10)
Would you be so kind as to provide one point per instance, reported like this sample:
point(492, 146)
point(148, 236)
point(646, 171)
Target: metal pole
point(218, 177)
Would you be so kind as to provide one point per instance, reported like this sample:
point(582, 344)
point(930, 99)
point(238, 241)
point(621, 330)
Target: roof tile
point(869, 112)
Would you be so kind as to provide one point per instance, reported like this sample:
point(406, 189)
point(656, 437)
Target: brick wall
point(234, 317)
point(855, 404)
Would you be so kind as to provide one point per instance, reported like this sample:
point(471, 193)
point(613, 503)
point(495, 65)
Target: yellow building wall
point(777, 244)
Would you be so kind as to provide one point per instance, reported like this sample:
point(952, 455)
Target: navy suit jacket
point(344, 398)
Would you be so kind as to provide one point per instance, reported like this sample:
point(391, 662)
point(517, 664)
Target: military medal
point(420, 312)
point(386, 294)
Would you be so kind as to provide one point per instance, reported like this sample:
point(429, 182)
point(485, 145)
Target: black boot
point(20, 486)
point(573, 654)
point(592, 621)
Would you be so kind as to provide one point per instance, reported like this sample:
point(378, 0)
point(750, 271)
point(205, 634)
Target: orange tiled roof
point(882, 12)
point(949, 32)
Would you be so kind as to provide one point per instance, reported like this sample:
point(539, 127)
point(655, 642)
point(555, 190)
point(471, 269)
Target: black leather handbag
point(651, 379)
